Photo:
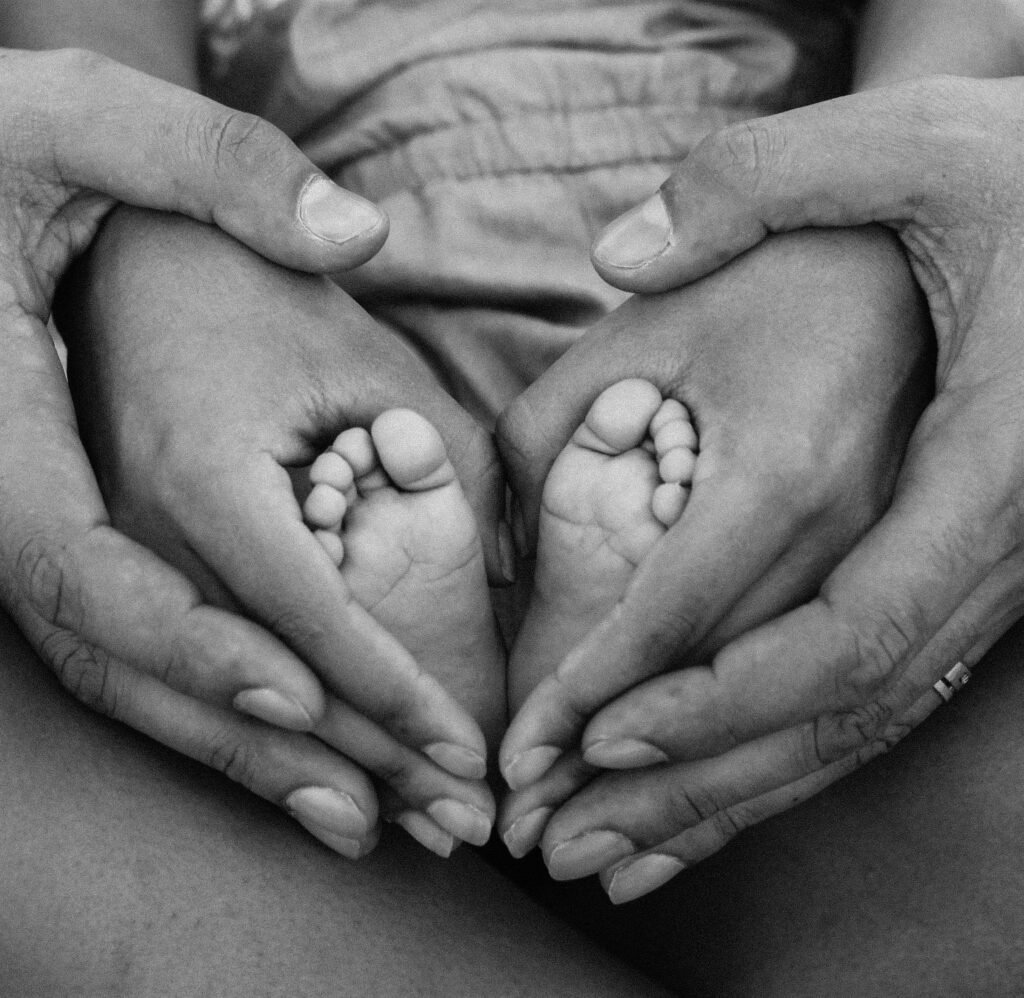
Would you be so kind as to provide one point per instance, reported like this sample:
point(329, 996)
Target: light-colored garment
point(502, 136)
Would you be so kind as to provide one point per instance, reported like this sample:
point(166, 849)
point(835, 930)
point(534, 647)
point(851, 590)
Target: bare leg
point(129, 870)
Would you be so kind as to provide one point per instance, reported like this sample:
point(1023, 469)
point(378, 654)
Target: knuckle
point(689, 803)
point(84, 671)
point(878, 643)
point(229, 139)
point(730, 821)
point(237, 759)
point(740, 153)
point(837, 735)
point(49, 581)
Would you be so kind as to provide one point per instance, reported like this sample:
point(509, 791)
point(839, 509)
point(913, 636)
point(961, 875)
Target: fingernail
point(586, 854)
point(641, 876)
point(519, 530)
point(525, 832)
point(529, 766)
point(637, 237)
point(331, 810)
point(457, 760)
point(506, 552)
point(463, 820)
point(349, 848)
point(622, 753)
point(332, 213)
point(275, 708)
point(427, 833)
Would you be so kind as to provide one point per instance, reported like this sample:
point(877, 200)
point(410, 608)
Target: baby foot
point(388, 509)
point(614, 490)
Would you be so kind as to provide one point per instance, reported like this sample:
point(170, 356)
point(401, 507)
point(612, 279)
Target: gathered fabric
point(501, 137)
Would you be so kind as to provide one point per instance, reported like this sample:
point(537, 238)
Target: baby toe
point(668, 503)
point(324, 507)
point(621, 414)
point(411, 450)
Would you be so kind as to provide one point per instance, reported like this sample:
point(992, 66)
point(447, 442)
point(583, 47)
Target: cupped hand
point(80, 133)
point(939, 579)
point(204, 375)
point(803, 365)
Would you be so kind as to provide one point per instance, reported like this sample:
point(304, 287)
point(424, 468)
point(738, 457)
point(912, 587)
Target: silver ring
point(956, 679)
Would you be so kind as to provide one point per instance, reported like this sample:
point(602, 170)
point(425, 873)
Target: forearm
point(156, 36)
point(904, 39)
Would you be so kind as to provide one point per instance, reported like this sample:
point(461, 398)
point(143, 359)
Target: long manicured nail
point(506, 552)
point(529, 766)
point(463, 820)
point(586, 854)
point(427, 833)
point(328, 809)
point(641, 876)
point(636, 238)
point(525, 832)
point(457, 760)
point(332, 213)
point(275, 708)
point(622, 753)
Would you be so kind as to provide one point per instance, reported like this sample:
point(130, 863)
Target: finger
point(655, 866)
point(621, 814)
point(464, 809)
point(842, 742)
point(284, 576)
point(842, 162)
point(327, 794)
point(191, 155)
point(67, 569)
point(681, 590)
point(878, 610)
point(525, 813)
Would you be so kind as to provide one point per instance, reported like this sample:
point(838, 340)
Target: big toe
point(620, 417)
point(411, 450)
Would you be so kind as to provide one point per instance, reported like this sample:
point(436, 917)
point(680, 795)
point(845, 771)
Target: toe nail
point(328, 810)
point(641, 876)
point(529, 766)
point(586, 854)
point(525, 832)
point(275, 708)
point(623, 753)
point(457, 760)
point(463, 820)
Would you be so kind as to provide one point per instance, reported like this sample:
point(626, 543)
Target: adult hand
point(117, 625)
point(203, 375)
point(801, 366)
point(941, 575)
point(939, 578)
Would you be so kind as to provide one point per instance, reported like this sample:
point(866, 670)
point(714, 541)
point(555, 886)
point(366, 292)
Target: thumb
point(870, 157)
point(161, 146)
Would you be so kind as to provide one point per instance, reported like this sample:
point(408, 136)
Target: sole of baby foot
point(614, 490)
point(387, 507)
